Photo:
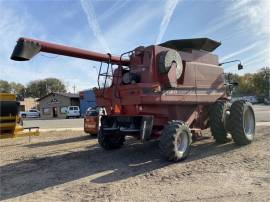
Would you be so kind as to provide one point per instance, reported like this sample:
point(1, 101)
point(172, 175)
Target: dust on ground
point(70, 166)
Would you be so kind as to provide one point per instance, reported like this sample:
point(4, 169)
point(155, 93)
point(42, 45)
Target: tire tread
point(168, 139)
point(216, 117)
point(236, 120)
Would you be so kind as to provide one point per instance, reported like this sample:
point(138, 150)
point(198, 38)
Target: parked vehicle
point(91, 120)
point(32, 113)
point(266, 101)
point(73, 111)
point(251, 99)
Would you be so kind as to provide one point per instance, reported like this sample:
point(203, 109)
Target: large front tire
point(217, 120)
point(175, 141)
point(242, 122)
point(110, 139)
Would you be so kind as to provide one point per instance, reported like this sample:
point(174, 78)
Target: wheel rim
point(249, 122)
point(182, 142)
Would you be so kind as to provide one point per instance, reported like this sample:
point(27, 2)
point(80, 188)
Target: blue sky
point(243, 27)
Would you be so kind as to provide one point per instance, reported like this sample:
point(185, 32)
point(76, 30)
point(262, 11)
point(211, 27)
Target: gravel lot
point(54, 123)
point(70, 166)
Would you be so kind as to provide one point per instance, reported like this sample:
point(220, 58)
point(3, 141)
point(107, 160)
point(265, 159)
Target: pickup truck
point(32, 113)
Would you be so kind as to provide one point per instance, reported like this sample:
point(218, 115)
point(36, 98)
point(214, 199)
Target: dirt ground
point(70, 166)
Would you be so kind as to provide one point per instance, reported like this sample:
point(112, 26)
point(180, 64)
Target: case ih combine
point(171, 91)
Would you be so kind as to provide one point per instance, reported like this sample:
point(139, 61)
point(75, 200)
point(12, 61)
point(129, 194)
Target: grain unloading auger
point(170, 91)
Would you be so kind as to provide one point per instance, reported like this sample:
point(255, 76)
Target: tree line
point(36, 89)
point(256, 84)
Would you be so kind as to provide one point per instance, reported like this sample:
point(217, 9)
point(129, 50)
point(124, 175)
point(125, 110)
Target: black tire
point(110, 139)
point(24, 115)
point(218, 119)
point(93, 134)
point(242, 122)
point(176, 134)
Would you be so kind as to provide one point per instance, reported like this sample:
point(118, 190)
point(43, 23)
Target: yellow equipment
point(10, 121)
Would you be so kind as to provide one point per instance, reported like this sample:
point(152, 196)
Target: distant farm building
point(54, 105)
point(28, 103)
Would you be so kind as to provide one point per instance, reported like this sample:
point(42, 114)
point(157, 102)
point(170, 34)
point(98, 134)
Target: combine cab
point(169, 91)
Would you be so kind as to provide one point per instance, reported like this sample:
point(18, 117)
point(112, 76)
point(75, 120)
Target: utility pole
point(74, 88)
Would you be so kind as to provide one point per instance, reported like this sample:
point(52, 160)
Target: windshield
point(92, 111)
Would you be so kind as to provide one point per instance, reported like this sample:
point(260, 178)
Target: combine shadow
point(100, 166)
point(208, 149)
point(56, 142)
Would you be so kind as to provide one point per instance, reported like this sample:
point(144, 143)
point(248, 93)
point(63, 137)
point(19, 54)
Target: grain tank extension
point(169, 91)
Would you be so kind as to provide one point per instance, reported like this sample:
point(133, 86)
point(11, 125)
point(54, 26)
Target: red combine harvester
point(170, 91)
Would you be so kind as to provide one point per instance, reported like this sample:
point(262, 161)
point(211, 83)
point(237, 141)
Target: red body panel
point(200, 85)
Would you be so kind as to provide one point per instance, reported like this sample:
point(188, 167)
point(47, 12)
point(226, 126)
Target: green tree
point(55, 85)
point(17, 88)
point(253, 84)
point(260, 82)
point(246, 85)
point(40, 88)
point(4, 87)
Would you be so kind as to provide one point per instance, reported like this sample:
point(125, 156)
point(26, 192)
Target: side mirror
point(240, 66)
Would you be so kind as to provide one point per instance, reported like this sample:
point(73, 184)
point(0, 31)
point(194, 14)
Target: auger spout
point(26, 49)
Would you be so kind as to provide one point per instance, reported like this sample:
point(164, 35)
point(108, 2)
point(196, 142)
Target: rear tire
point(217, 120)
point(175, 141)
point(110, 139)
point(242, 122)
